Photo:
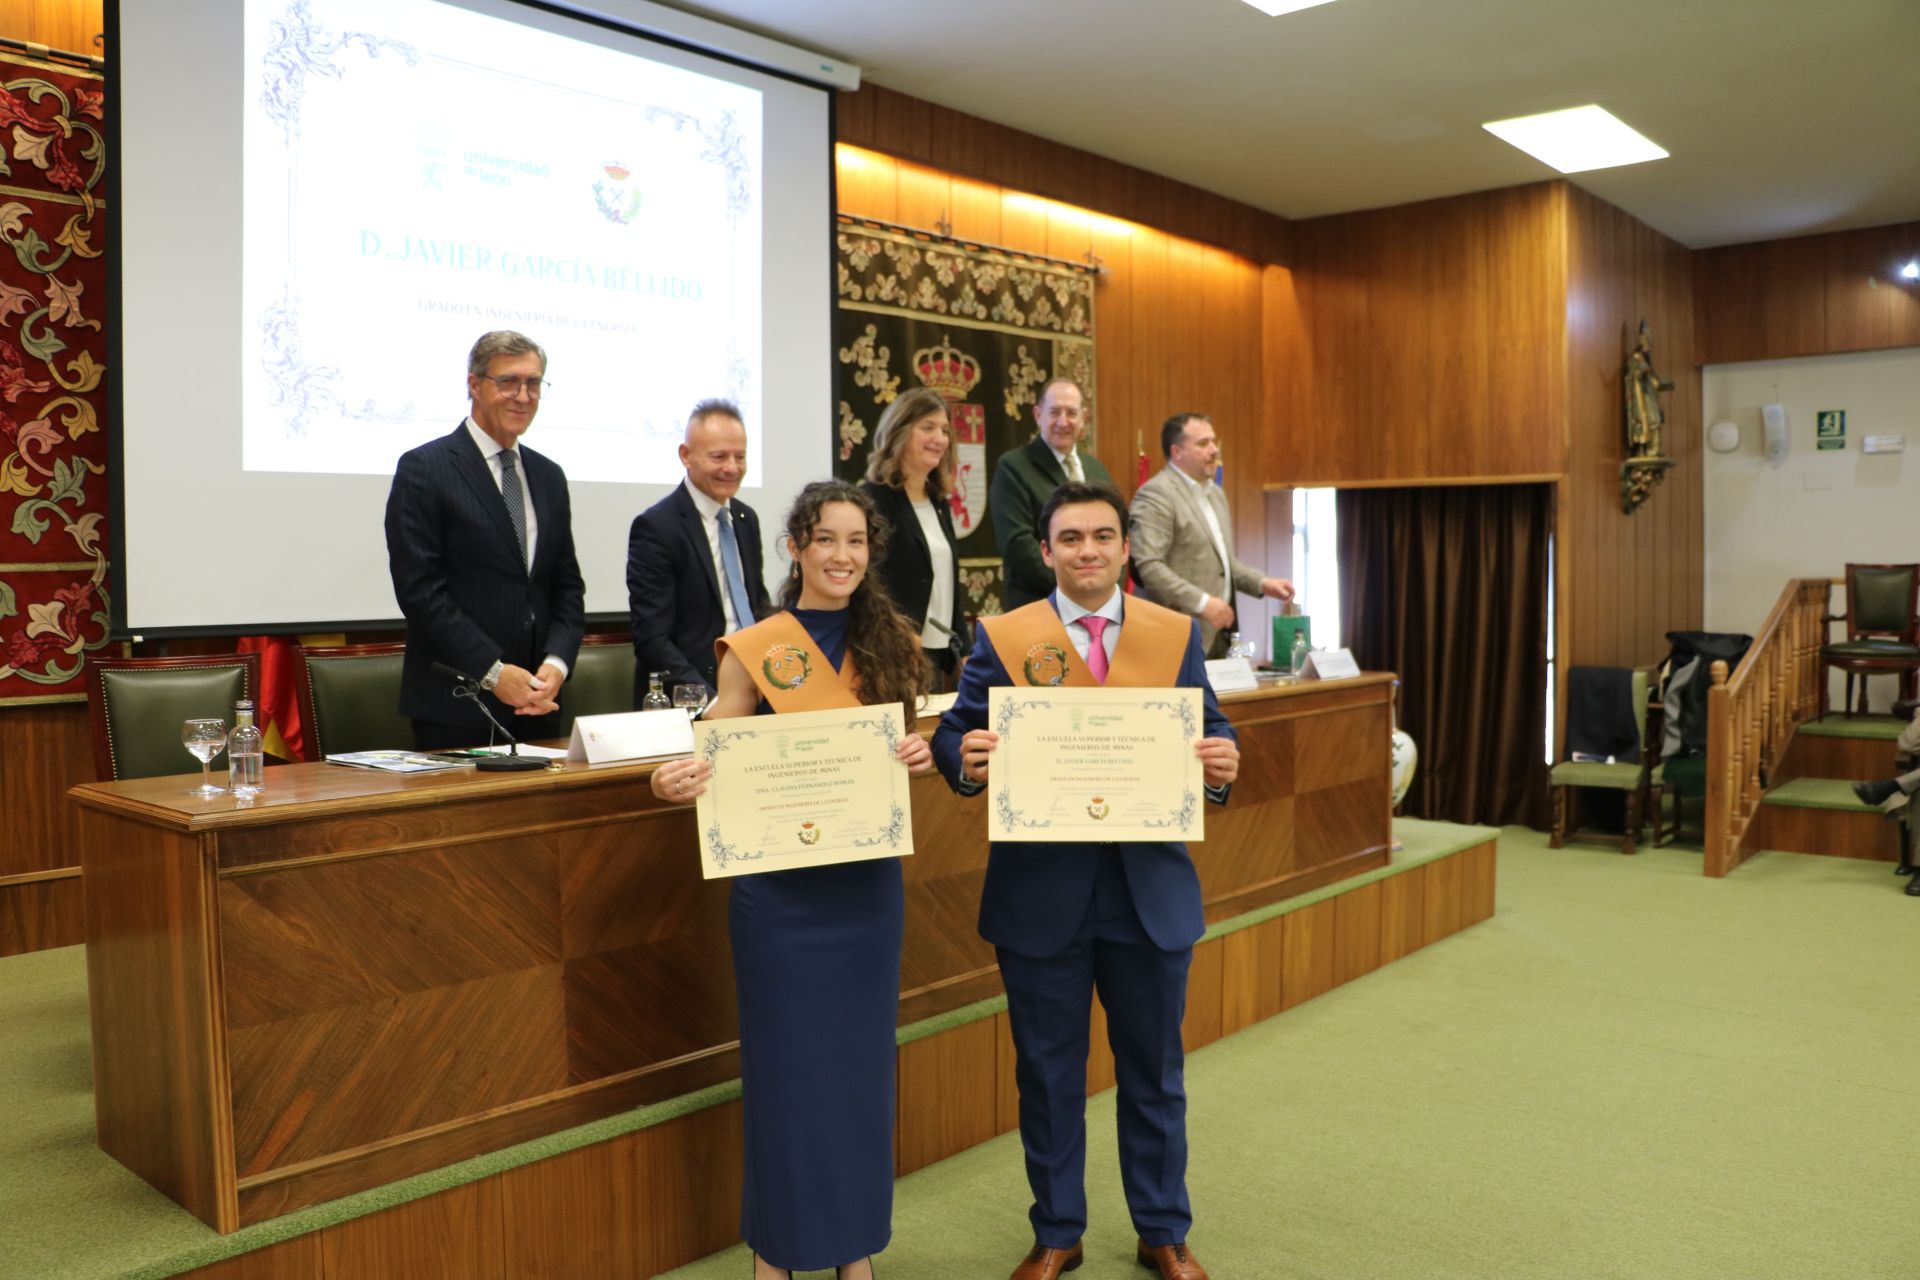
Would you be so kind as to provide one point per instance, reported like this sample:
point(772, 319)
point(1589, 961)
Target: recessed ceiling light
point(1274, 8)
point(1577, 139)
point(1911, 271)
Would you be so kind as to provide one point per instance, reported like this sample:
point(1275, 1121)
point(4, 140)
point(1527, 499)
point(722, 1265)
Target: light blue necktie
point(736, 578)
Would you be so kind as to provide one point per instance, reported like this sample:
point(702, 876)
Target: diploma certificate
point(802, 789)
point(1082, 765)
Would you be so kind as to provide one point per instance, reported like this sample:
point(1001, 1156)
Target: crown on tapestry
point(947, 369)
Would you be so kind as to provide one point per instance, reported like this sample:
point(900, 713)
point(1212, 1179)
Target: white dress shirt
point(1071, 613)
point(935, 633)
point(491, 449)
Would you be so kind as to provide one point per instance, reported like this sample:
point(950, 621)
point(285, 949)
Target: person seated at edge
point(1894, 794)
point(909, 475)
point(693, 558)
point(1067, 919)
point(816, 950)
point(1024, 478)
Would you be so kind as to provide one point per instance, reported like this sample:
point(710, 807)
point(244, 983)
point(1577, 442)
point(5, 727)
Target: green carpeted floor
point(1630, 1071)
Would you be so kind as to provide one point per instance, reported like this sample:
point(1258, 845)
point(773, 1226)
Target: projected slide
point(417, 174)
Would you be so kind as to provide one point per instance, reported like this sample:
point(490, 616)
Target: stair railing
point(1751, 716)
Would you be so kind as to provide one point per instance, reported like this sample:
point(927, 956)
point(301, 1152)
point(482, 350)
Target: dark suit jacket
point(468, 598)
point(673, 591)
point(1037, 893)
point(1023, 480)
point(908, 567)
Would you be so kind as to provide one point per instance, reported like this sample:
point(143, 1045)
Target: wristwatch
point(492, 677)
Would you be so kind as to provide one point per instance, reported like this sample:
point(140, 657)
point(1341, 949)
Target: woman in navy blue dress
point(816, 951)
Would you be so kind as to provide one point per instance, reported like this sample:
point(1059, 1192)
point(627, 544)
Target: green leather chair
point(136, 706)
point(1643, 782)
point(1883, 636)
point(601, 681)
point(350, 699)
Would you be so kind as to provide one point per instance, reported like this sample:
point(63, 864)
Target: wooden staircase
point(1809, 806)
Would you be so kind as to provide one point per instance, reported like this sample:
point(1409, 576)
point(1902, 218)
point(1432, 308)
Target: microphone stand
point(513, 761)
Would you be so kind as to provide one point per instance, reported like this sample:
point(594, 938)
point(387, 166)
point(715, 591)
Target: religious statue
point(1644, 418)
point(1646, 464)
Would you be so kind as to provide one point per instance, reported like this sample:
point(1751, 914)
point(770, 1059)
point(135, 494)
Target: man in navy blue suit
point(694, 564)
point(1069, 919)
point(480, 545)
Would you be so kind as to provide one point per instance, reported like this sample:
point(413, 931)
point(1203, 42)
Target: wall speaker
point(1773, 423)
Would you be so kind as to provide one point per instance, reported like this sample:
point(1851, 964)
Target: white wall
point(1811, 513)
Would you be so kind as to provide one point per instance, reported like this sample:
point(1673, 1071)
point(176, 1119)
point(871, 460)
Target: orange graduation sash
point(788, 667)
point(1033, 646)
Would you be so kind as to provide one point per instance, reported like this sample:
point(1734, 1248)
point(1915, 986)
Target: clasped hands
point(684, 781)
point(527, 693)
point(1219, 757)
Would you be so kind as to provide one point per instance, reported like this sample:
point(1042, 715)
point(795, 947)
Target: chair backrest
point(601, 680)
point(1882, 600)
point(136, 706)
point(1642, 682)
point(350, 698)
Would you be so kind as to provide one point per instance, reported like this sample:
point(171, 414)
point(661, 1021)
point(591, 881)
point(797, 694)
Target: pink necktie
point(1096, 652)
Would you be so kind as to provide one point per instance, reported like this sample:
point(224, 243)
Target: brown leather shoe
point(1172, 1261)
point(1044, 1263)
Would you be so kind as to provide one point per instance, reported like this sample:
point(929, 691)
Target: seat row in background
point(348, 695)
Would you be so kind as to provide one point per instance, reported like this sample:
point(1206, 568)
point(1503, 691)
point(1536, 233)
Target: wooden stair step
point(1823, 816)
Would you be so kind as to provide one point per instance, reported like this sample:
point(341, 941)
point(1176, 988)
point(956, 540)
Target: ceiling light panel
point(1274, 8)
point(1577, 139)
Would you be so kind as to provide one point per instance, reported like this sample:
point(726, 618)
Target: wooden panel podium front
point(360, 976)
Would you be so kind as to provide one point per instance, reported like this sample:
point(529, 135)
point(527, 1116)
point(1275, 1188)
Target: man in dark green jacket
point(1024, 479)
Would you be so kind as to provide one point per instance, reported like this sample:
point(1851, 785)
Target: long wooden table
point(360, 976)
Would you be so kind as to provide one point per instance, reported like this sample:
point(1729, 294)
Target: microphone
point(465, 686)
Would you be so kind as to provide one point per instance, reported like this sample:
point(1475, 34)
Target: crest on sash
point(1046, 664)
point(786, 666)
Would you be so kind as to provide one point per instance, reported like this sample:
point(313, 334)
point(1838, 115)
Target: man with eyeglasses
point(480, 545)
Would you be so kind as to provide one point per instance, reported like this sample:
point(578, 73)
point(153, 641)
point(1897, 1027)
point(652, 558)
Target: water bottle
point(1297, 661)
point(244, 761)
point(1237, 647)
point(656, 699)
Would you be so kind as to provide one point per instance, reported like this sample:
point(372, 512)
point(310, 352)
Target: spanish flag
point(277, 704)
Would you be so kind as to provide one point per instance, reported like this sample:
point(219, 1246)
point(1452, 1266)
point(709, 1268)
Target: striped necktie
point(510, 491)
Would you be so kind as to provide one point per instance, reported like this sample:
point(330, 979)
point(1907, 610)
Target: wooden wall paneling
point(1868, 307)
point(1250, 966)
point(923, 197)
point(1403, 914)
point(1356, 932)
point(1115, 369)
point(1794, 308)
point(976, 210)
point(47, 748)
point(884, 120)
point(1306, 946)
point(68, 25)
point(455, 1235)
point(1204, 1022)
point(1149, 376)
point(1023, 221)
point(866, 184)
point(689, 1178)
point(1443, 909)
point(1479, 883)
point(42, 910)
point(1455, 272)
point(945, 1096)
point(295, 1259)
point(1397, 404)
point(1729, 302)
point(575, 1215)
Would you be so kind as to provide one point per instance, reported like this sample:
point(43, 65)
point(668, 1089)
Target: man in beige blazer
point(1183, 536)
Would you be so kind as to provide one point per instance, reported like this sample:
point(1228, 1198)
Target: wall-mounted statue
point(1647, 463)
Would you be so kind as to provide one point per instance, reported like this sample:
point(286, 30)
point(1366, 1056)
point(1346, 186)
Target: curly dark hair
point(885, 646)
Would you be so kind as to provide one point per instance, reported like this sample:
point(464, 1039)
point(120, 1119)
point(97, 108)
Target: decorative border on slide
point(300, 47)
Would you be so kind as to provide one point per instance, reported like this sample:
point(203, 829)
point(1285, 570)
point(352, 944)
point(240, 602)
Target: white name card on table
point(631, 735)
point(1330, 664)
point(1231, 675)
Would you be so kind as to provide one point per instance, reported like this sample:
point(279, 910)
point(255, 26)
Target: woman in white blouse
point(909, 478)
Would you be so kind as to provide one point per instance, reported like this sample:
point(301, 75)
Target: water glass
point(203, 740)
point(690, 698)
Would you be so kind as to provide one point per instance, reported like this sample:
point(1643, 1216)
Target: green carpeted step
point(1819, 793)
point(1835, 725)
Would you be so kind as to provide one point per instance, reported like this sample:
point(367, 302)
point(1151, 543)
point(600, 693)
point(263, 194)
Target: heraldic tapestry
point(53, 490)
point(984, 328)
